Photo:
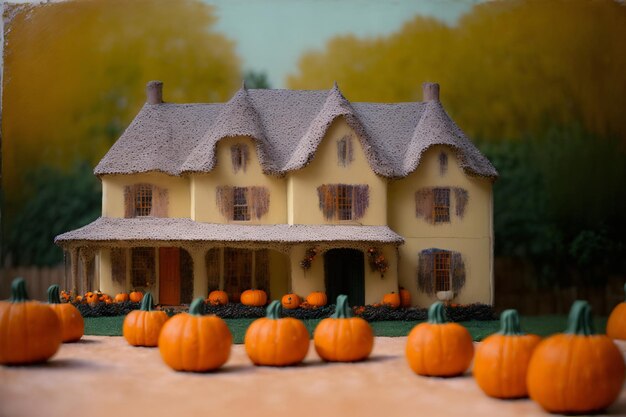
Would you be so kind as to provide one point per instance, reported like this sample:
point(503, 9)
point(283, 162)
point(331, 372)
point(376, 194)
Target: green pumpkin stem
point(53, 294)
point(625, 293)
point(342, 311)
point(18, 291)
point(197, 307)
point(274, 310)
point(147, 302)
point(580, 321)
point(437, 313)
point(509, 323)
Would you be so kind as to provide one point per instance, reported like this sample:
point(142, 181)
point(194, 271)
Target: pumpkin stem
point(18, 291)
point(624, 291)
point(342, 311)
point(147, 303)
point(509, 323)
point(53, 294)
point(437, 313)
point(274, 310)
point(197, 307)
point(580, 321)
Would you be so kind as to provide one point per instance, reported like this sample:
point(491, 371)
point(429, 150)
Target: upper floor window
point(344, 151)
point(434, 204)
point(441, 208)
point(239, 156)
point(243, 203)
point(145, 200)
point(343, 202)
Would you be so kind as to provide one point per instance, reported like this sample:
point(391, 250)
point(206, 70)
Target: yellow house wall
point(471, 235)
point(325, 169)
point(279, 274)
point(177, 192)
point(204, 186)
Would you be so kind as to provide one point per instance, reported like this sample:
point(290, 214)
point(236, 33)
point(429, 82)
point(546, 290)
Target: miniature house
point(290, 191)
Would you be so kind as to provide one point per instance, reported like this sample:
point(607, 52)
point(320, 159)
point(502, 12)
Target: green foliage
point(61, 202)
point(256, 79)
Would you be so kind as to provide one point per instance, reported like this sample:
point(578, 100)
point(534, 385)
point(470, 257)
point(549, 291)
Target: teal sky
point(272, 35)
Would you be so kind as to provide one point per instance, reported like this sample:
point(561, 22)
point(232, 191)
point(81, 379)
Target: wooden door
point(169, 276)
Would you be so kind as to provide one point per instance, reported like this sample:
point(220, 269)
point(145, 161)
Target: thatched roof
point(287, 126)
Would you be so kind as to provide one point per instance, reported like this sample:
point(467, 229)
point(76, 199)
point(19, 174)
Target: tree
point(256, 79)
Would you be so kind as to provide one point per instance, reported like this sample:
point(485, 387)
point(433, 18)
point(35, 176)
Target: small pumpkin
point(121, 297)
point(275, 341)
point(142, 327)
point(576, 372)
point(72, 323)
point(616, 326)
point(439, 348)
point(79, 299)
point(317, 299)
point(291, 301)
point(218, 298)
point(501, 360)
point(194, 342)
point(30, 331)
point(135, 296)
point(392, 300)
point(65, 296)
point(405, 298)
point(342, 337)
point(254, 298)
point(92, 298)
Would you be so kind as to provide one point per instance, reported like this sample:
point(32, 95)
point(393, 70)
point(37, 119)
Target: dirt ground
point(103, 376)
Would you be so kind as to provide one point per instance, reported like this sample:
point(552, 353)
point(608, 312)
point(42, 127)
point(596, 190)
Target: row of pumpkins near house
point(577, 371)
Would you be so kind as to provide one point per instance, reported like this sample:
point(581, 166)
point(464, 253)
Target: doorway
point(344, 274)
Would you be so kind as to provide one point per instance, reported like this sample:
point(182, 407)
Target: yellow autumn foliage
point(507, 69)
point(75, 74)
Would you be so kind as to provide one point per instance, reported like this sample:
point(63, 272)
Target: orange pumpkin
point(142, 327)
point(72, 323)
point(218, 298)
point(405, 298)
point(576, 372)
point(391, 300)
point(317, 299)
point(438, 348)
point(136, 296)
point(30, 331)
point(616, 326)
point(254, 298)
point(65, 296)
point(501, 360)
point(92, 298)
point(275, 341)
point(291, 301)
point(122, 297)
point(193, 342)
point(343, 338)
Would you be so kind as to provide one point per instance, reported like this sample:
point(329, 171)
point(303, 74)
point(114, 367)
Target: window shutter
point(129, 201)
point(159, 202)
point(425, 271)
point(261, 271)
point(461, 196)
point(457, 267)
point(259, 201)
point(225, 198)
point(327, 194)
point(424, 204)
point(361, 200)
point(212, 262)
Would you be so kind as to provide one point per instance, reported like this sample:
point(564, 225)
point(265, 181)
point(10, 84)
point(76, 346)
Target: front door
point(344, 274)
point(169, 276)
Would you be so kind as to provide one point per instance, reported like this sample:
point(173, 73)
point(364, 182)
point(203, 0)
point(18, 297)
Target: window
point(441, 207)
point(240, 204)
point(343, 202)
point(239, 156)
point(443, 163)
point(442, 271)
point(142, 267)
point(344, 151)
point(143, 200)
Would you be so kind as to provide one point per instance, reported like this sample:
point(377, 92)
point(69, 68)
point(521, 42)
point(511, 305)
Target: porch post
point(200, 277)
point(74, 270)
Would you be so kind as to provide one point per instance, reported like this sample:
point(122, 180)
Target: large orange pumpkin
point(317, 299)
point(343, 338)
point(405, 298)
point(577, 371)
point(142, 327)
point(438, 348)
point(501, 360)
point(30, 331)
point(218, 298)
point(275, 341)
point(616, 326)
point(291, 301)
point(72, 323)
point(135, 296)
point(391, 300)
point(254, 298)
point(194, 342)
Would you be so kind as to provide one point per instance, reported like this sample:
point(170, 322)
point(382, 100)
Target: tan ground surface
point(103, 376)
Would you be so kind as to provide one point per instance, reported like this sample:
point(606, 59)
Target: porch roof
point(108, 230)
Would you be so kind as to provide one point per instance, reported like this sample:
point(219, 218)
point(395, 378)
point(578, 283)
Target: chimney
point(430, 91)
point(154, 92)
